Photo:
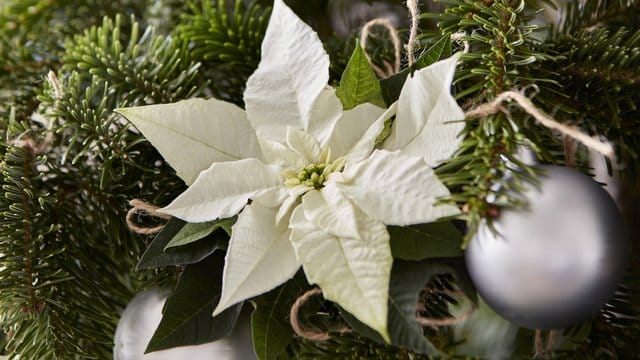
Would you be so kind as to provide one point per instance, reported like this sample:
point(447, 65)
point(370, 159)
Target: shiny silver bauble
point(556, 262)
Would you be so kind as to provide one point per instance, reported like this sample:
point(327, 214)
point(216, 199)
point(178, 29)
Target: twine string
point(525, 103)
point(412, 5)
point(437, 322)
point(312, 335)
point(142, 207)
point(460, 37)
point(543, 351)
point(569, 149)
point(395, 39)
point(301, 330)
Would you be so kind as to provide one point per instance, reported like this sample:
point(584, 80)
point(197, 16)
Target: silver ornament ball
point(556, 262)
point(141, 318)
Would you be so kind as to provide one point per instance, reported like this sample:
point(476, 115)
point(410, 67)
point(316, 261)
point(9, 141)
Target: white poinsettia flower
point(302, 174)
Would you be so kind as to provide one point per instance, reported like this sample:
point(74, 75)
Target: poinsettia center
point(314, 175)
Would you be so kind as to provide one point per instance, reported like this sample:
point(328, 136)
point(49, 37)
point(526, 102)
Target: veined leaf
point(156, 257)
point(292, 73)
point(260, 256)
point(353, 272)
point(396, 189)
point(429, 120)
point(223, 190)
point(359, 83)
point(272, 332)
point(182, 129)
point(391, 86)
point(191, 232)
point(423, 241)
point(186, 317)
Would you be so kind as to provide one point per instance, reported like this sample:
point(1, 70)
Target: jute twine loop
point(412, 5)
point(395, 39)
point(525, 103)
point(297, 326)
point(436, 322)
point(324, 336)
point(459, 37)
point(542, 351)
point(139, 206)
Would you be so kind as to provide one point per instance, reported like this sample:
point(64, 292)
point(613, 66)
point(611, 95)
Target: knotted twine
point(314, 335)
point(542, 351)
point(141, 207)
point(395, 39)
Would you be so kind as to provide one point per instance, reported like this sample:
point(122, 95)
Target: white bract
point(302, 174)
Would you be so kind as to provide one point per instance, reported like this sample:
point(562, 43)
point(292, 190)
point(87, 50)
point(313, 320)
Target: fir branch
point(164, 74)
point(227, 41)
point(32, 34)
point(588, 14)
point(600, 77)
point(504, 54)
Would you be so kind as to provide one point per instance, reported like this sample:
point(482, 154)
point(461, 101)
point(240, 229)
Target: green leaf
point(392, 85)
point(272, 332)
point(192, 232)
point(156, 257)
point(186, 318)
point(418, 242)
point(359, 83)
point(408, 278)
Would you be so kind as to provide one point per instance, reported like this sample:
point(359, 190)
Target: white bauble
point(143, 314)
point(557, 262)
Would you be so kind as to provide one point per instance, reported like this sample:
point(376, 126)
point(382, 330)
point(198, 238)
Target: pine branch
point(38, 305)
point(227, 41)
point(600, 77)
point(165, 74)
point(504, 55)
point(586, 15)
point(32, 34)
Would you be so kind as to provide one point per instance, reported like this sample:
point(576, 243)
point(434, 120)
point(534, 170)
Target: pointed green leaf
point(359, 84)
point(270, 325)
point(407, 280)
point(425, 241)
point(156, 257)
point(191, 232)
point(186, 317)
point(391, 86)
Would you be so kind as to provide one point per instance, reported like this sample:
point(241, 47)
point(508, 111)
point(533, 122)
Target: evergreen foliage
point(69, 164)
point(226, 42)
